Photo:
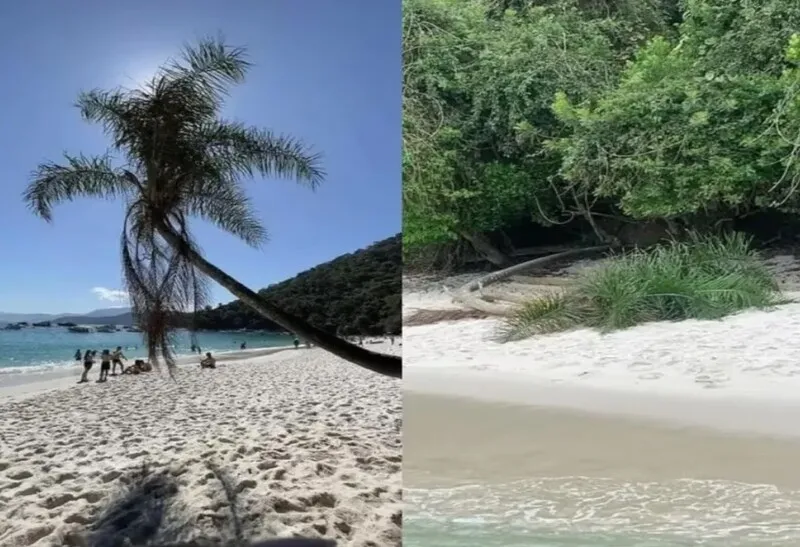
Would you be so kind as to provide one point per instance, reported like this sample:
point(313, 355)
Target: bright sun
point(136, 73)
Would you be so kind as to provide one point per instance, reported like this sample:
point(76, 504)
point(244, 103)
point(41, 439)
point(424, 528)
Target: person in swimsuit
point(78, 355)
point(116, 359)
point(296, 343)
point(105, 365)
point(88, 361)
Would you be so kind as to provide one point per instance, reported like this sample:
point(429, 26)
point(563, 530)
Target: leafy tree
point(181, 160)
point(666, 112)
point(691, 127)
point(478, 89)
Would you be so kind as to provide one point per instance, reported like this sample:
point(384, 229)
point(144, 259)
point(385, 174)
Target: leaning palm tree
point(171, 158)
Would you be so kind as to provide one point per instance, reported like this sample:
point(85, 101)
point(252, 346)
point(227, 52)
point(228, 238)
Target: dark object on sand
point(282, 542)
point(208, 362)
point(429, 317)
point(138, 366)
point(148, 513)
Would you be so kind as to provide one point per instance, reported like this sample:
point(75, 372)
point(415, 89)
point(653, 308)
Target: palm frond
point(210, 64)
point(245, 151)
point(227, 207)
point(81, 176)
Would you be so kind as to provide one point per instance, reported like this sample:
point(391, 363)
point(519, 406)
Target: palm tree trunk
point(388, 365)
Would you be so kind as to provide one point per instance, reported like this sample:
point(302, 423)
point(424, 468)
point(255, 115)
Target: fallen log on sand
point(464, 295)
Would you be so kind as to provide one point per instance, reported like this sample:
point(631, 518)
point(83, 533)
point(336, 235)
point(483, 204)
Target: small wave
point(704, 512)
point(40, 368)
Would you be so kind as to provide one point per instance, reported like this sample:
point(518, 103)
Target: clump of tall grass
point(702, 277)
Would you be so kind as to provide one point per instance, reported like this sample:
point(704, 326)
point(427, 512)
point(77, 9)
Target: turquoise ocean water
point(49, 349)
point(585, 512)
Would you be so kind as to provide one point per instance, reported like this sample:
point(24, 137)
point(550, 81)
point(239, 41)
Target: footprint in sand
point(650, 376)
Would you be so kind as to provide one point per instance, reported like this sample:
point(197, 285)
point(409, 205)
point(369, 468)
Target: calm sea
point(583, 512)
point(47, 349)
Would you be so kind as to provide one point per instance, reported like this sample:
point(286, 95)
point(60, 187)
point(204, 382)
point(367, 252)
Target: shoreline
point(521, 442)
point(729, 414)
point(478, 469)
point(665, 432)
point(20, 385)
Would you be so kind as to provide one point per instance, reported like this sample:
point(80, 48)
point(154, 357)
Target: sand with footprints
point(308, 444)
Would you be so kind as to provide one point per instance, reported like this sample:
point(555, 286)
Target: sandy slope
point(311, 444)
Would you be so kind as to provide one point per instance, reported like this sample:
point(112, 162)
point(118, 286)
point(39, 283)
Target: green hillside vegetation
point(357, 293)
point(609, 121)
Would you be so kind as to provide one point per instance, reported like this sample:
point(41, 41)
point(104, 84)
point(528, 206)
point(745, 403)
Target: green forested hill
point(357, 293)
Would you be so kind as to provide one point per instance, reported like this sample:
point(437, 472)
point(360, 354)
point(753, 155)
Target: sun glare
point(137, 73)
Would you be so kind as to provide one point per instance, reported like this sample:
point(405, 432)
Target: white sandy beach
point(687, 430)
point(311, 445)
point(662, 370)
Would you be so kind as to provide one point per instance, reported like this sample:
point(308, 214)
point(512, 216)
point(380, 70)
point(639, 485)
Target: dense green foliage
point(703, 278)
point(563, 111)
point(357, 293)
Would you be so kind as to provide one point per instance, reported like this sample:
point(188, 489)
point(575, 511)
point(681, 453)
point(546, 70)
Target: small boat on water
point(133, 329)
point(43, 324)
point(107, 328)
point(80, 330)
point(66, 324)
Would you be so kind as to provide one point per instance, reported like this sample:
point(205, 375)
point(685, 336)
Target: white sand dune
point(312, 445)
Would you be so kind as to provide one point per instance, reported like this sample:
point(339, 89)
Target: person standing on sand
point(116, 359)
point(88, 361)
point(296, 343)
point(105, 365)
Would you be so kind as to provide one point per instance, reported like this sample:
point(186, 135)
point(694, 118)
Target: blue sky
point(325, 71)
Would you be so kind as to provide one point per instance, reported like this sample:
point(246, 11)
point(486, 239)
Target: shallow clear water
point(43, 349)
point(585, 512)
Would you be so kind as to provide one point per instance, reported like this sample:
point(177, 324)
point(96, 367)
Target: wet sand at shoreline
point(460, 441)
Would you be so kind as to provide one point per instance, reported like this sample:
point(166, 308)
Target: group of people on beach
point(109, 360)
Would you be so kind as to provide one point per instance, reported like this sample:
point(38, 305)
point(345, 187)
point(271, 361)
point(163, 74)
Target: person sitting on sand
point(88, 361)
point(105, 365)
point(208, 362)
point(116, 359)
point(137, 367)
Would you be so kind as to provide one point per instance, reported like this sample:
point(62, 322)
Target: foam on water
point(590, 511)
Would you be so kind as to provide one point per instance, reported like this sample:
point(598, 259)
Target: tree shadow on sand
point(148, 513)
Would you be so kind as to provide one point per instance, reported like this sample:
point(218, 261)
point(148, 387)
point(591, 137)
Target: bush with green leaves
point(703, 277)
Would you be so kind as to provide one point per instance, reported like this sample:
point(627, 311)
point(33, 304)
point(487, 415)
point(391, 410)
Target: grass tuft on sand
point(702, 277)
